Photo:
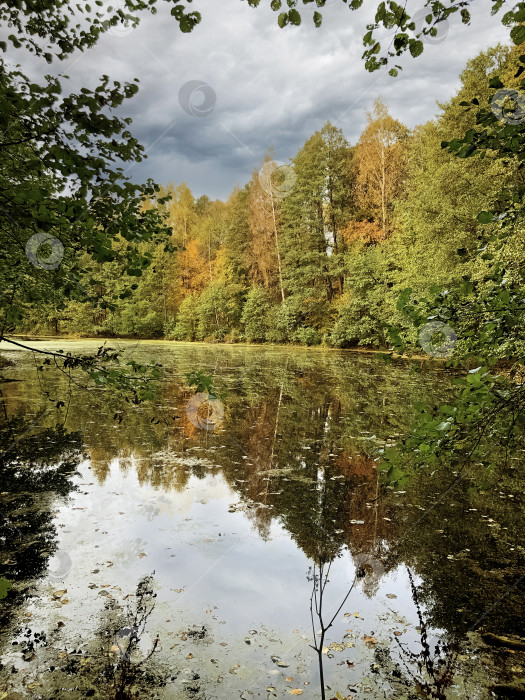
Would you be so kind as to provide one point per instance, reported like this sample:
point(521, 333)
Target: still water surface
point(230, 522)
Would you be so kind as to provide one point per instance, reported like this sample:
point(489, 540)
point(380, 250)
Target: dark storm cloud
point(273, 87)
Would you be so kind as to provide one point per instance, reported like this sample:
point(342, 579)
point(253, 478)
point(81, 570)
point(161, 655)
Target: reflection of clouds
point(171, 503)
point(129, 553)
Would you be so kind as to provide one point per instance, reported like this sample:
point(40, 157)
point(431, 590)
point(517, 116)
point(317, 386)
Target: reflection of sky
point(211, 566)
point(241, 586)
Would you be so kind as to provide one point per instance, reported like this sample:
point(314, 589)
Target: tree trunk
point(277, 247)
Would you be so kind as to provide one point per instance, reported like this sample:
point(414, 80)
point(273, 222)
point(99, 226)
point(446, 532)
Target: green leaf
point(5, 586)
point(517, 34)
point(416, 47)
point(495, 82)
point(294, 17)
point(485, 217)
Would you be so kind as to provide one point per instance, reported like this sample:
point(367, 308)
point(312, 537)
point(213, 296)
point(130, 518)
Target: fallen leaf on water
point(356, 614)
point(391, 595)
point(270, 688)
point(142, 554)
point(325, 650)
point(190, 656)
point(296, 691)
point(59, 594)
point(178, 590)
point(282, 664)
point(334, 646)
point(208, 611)
point(289, 679)
point(398, 634)
point(369, 640)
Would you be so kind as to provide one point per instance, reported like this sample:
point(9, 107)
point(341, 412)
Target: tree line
point(317, 250)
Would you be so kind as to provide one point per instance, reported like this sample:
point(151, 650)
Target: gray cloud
point(274, 87)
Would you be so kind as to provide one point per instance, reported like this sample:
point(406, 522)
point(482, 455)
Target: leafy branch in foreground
point(407, 35)
point(486, 422)
point(203, 383)
point(58, 29)
point(105, 368)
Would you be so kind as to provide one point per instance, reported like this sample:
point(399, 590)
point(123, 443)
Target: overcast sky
point(268, 86)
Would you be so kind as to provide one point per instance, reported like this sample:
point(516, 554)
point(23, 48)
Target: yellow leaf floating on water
point(296, 691)
point(369, 640)
point(289, 679)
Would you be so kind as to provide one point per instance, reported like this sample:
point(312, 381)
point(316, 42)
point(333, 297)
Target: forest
point(229, 477)
point(316, 251)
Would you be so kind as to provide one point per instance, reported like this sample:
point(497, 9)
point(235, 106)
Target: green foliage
point(485, 306)
point(367, 301)
point(307, 336)
point(255, 315)
point(219, 310)
point(187, 320)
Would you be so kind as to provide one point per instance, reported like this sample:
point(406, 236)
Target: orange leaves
point(193, 270)
point(362, 232)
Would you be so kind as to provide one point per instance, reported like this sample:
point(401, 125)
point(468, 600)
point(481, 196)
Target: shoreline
point(257, 346)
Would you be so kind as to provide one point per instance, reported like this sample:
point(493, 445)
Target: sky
point(263, 86)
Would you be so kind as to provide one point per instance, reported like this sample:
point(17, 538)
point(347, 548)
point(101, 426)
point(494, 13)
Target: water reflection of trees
point(294, 441)
point(36, 466)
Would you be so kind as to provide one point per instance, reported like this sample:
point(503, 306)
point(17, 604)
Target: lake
point(226, 520)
